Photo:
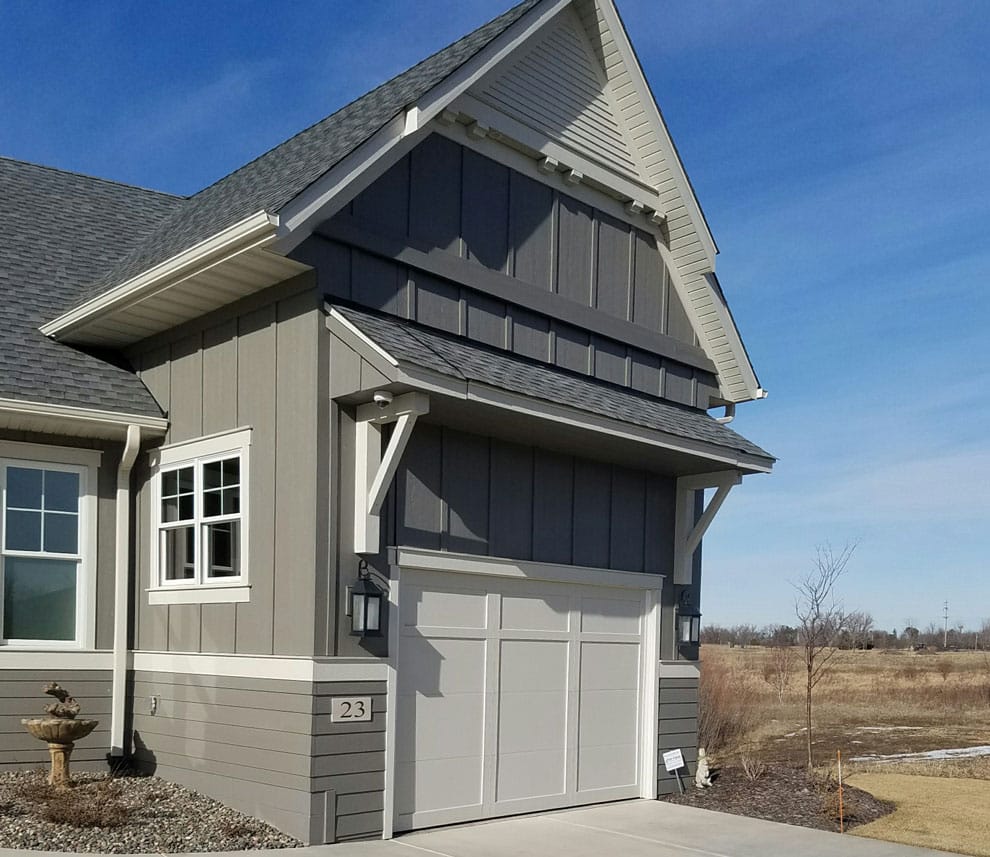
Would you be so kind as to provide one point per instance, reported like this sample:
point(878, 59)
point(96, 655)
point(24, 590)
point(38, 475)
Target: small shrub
point(944, 667)
point(753, 768)
point(725, 710)
point(98, 805)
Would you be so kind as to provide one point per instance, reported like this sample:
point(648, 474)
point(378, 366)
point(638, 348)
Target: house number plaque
point(350, 709)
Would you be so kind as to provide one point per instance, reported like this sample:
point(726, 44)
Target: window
point(45, 536)
point(201, 513)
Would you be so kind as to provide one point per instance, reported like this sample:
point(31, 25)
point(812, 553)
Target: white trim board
point(12, 658)
point(263, 666)
point(679, 669)
point(72, 420)
point(427, 560)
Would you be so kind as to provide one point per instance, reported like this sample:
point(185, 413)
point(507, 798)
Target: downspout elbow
point(730, 414)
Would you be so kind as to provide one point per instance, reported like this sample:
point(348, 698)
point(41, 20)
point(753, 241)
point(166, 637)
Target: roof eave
point(75, 420)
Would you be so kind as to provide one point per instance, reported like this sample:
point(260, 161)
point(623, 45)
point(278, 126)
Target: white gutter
point(253, 231)
point(121, 592)
point(91, 417)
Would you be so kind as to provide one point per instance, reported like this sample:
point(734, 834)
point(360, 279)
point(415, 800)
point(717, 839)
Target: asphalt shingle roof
point(277, 177)
point(61, 232)
point(459, 358)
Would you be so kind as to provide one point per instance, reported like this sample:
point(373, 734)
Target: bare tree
point(777, 668)
point(859, 624)
point(821, 620)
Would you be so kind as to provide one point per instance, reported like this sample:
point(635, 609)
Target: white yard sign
point(673, 760)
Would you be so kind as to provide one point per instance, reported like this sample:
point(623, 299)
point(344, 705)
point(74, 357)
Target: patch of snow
point(885, 728)
point(929, 756)
point(792, 734)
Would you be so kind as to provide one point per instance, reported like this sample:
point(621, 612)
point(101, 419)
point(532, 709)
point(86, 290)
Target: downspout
point(730, 414)
point(122, 586)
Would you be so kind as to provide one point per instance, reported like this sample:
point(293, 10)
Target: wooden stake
point(838, 754)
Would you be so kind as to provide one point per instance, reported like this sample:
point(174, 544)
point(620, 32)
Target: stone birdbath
point(61, 730)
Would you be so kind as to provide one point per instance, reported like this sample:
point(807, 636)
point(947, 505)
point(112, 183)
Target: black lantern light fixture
point(366, 605)
point(688, 622)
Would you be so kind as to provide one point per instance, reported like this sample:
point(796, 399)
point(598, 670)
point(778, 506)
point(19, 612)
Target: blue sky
point(841, 152)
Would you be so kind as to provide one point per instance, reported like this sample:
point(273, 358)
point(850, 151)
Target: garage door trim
point(414, 559)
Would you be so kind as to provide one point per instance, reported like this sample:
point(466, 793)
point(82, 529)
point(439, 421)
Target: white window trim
point(85, 462)
point(197, 452)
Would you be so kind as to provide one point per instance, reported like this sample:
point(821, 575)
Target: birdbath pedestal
point(60, 730)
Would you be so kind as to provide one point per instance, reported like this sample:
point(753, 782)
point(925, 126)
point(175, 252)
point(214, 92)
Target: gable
point(559, 88)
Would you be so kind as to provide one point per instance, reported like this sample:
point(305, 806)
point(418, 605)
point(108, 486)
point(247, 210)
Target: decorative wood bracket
point(373, 471)
point(688, 532)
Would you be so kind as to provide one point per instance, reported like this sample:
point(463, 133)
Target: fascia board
point(82, 418)
point(363, 345)
point(652, 112)
point(253, 231)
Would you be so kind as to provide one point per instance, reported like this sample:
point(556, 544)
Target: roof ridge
point(89, 177)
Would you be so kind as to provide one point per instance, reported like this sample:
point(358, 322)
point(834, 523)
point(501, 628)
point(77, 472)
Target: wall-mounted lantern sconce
point(366, 605)
point(688, 622)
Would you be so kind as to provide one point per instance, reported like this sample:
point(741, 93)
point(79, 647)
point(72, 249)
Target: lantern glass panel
point(357, 612)
point(373, 616)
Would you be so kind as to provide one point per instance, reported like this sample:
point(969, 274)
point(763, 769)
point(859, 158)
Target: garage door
point(513, 696)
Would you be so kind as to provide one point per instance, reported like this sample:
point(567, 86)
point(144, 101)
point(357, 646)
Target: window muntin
point(201, 521)
point(40, 552)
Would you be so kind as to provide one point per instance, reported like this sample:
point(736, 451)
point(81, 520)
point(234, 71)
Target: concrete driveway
point(632, 829)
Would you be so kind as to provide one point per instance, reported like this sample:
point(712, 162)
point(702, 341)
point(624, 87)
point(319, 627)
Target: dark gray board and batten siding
point(258, 363)
point(456, 241)
point(267, 747)
point(22, 696)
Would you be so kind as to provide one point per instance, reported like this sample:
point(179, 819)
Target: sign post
point(673, 761)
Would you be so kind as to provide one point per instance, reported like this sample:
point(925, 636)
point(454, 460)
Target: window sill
point(200, 595)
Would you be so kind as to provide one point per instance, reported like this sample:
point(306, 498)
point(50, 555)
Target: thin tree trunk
point(811, 762)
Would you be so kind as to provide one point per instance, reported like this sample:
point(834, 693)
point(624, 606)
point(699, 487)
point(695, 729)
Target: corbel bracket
point(374, 471)
point(687, 531)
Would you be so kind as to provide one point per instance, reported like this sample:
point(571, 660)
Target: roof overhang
point(468, 404)
point(75, 421)
point(230, 265)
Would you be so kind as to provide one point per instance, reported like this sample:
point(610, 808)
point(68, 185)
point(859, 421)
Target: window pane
point(170, 483)
point(211, 475)
point(224, 549)
point(211, 504)
point(39, 599)
point(232, 471)
point(61, 491)
point(180, 553)
point(23, 488)
point(61, 532)
point(186, 481)
point(23, 531)
point(231, 501)
point(186, 506)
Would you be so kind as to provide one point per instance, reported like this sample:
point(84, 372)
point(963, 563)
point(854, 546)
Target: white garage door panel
point(514, 696)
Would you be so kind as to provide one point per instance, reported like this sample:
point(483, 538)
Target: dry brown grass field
point(872, 703)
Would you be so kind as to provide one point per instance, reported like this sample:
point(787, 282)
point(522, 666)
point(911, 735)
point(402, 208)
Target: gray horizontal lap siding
point(677, 730)
point(267, 747)
point(458, 242)
point(22, 696)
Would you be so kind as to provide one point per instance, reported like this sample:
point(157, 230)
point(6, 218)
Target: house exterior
point(457, 343)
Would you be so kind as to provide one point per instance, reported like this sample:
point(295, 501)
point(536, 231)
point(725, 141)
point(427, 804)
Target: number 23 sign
point(350, 709)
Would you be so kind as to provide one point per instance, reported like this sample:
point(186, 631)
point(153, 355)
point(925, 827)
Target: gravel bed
point(785, 795)
point(140, 815)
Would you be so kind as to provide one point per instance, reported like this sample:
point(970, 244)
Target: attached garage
point(520, 687)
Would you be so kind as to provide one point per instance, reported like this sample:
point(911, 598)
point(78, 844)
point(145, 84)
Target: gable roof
point(62, 230)
point(239, 215)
